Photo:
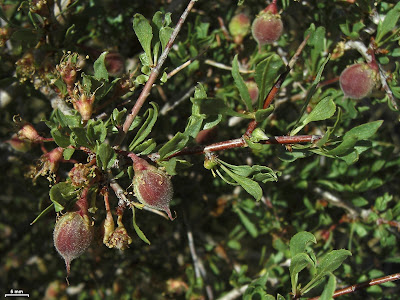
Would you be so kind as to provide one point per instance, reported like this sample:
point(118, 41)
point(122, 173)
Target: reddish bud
point(85, 106)
point(152, 186)
point(357, 81)
point(239, 27)
point(29, 132)
point(72, 236)
point(268, 26)
point(20, 145)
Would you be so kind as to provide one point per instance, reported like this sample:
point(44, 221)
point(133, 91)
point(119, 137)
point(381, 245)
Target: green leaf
point(310, 93)
point(257, 289)
point(297, 264)
point(99, 66)
point(317, 41)
point(177, 143)
point(329, 289)
point(389, 23)
point(361, 132)
point(298, 243)
point(144, 32)
point(70, 121)
point(62, 194)
point(96, 131)
point(59, 138)
point(329, 263)
point(217, 106)
point(252, 187)
point(145, 148)
point(259, 173)
point(332, 261)
point(250, 227)
point(105, 155)
point(266, 74)
point(144, 131)
point(194, 125)
point(165, 35)
point(137, 229)
point(42, 213)
point(174, 165)
point(79, 138)
point(262, 114)
point(324, 110)
point(68, 152)
point(239, 82)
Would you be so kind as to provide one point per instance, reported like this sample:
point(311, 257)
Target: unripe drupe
point(267, 26)
point(72, 236)
point(357, 81)
point(152, 186)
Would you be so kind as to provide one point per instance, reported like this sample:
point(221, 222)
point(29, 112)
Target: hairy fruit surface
point(152, 186)
point(267, 28)
point(72, 236)
point(357, 81)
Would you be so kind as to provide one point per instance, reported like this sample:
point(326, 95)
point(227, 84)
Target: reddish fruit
point(268, 26)
point(239, 27)
point(72, 236)
point(358, 80)
point(152, 186)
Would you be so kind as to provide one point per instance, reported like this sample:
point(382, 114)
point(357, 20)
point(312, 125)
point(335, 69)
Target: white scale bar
point(16, 295)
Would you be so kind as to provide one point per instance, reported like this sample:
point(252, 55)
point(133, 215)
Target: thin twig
point(241, 142)
point(199, 268)
point(225, 67)
point(275, 89)
point(235, 293)
point(363, 285)
point(336, 201)
point(152, 78)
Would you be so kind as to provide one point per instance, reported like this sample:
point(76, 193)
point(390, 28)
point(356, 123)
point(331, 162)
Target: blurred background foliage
point(354, 205)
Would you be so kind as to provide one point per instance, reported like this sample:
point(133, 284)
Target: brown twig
point(241, 142)
point(152, 78)
point(275, 89)
point(363, 285)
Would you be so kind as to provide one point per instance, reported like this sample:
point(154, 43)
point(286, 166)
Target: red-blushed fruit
point(72, 236)
point(239, 27)
point(357, 81)
point(267, 26)
point(152, 186)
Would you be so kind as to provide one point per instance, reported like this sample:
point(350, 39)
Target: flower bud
point(29, 132)
point(72, 236)
point(152, 186)
point(357, 81)
point(20, 145)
